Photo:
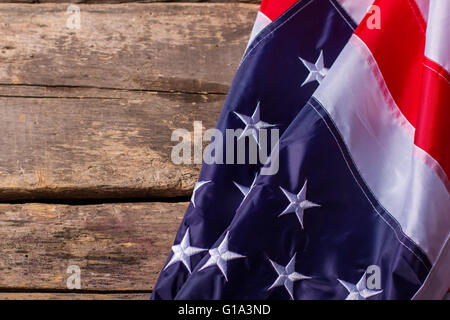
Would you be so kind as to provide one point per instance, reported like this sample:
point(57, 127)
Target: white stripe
point(380, 141)
point(437, 283)
point(423, 6)
point(437, 46)
point(356, 9)
point(261, 22)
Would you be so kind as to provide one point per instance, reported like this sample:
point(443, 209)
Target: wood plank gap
point(109, 89)
point(87, 202)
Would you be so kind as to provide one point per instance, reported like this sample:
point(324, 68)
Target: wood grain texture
point(118, 247)
point(74, 296)
point(84, 147)
point(89, 113)
point(176, 47)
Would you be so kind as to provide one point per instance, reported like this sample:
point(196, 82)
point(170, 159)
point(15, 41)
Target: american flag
point(359, 206)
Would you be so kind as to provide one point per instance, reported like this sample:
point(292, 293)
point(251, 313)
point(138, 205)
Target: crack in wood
point(109, 89)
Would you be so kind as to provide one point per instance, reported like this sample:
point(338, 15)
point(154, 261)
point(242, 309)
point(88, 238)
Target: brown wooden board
point(118, 247)
point(89, 113)
point(177, 47)
point(97, 148)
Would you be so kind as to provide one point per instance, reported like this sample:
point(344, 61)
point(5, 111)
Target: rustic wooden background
point(85, 123)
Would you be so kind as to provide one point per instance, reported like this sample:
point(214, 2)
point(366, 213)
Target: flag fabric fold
point(358, 206)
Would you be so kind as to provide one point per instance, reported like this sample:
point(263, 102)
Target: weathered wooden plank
point(99, 142)
point(83, 147)
point(74, 296)
point(154, 46)
point(117, 246)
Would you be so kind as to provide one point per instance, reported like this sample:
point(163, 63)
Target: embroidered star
point(220, 255)
point(246, 190)
point(287, 276)
point(183, 252)
point(298, 203)
point(317, 71)
point(359, 291)
point(197, 186)
point(253, 124)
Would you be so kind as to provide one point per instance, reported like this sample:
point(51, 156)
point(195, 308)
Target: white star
point(359, 291)
point(287, 276)
point(197, 186)
point(317, 71)
point(246, 190)
point(220, 256)
point(183, 252)
point(298, 203)
point(253, 124)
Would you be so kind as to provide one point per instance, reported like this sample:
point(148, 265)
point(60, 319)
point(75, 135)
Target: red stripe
point(275, 8)
point(420, 93)
point(433, 125)
point(398, 47)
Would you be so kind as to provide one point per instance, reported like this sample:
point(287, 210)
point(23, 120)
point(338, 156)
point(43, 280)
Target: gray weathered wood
point(117, 246)
point(83, 147)
point(165, 47)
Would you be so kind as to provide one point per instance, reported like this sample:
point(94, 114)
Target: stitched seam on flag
point(420, 21)
point(436, 271)
point(367, 197)
point(340, 13)
point(264, 16)
point(261, 22)
point(362, 189)
point(424, 12)
point(276, 28)
point(439, 73)
point(403, 122)
point(288, 19)
point(429, 161)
